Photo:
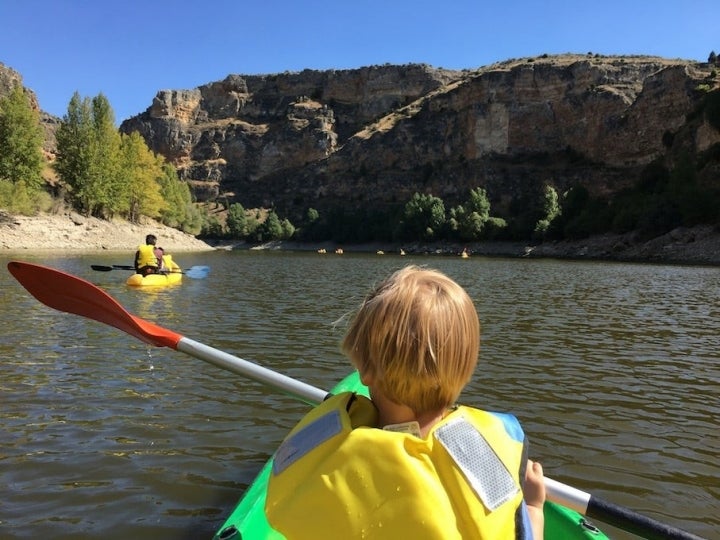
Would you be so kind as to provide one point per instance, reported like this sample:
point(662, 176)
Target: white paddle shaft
point(298, 389)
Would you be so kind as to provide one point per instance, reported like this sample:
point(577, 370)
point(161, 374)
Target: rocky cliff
point(378, 134)
point(227, 135)
point(373, 136)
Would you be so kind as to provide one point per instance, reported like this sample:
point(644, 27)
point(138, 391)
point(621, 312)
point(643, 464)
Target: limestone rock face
point(327, 139)
point(242, 129)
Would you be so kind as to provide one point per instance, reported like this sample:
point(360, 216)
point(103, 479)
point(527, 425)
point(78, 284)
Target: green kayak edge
point(247, 521)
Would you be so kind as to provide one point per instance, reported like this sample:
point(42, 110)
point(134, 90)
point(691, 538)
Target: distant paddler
point(149, 257)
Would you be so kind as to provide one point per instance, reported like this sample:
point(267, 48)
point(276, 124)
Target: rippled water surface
point(612, 368)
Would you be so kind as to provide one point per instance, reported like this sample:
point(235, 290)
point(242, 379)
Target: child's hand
point(534, 489)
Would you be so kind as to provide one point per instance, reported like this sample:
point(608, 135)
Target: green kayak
point(248, 521)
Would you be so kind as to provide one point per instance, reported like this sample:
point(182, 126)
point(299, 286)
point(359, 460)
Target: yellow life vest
point(336, 477)
point(168, 264)
point(146, 256)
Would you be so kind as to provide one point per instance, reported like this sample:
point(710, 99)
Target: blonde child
point(408, 462)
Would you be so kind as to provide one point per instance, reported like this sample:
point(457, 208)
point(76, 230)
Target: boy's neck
point(392, 413)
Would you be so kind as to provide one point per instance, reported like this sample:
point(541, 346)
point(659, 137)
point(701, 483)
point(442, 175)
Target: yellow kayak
point(172, 274)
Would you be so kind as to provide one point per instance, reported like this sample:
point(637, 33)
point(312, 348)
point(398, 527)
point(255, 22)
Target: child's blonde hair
point(418, 334)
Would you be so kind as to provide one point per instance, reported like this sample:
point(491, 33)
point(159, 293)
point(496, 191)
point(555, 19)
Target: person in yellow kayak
point(149, 257)
point(409, 463)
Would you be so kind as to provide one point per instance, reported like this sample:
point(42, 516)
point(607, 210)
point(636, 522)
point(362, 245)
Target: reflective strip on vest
point(300, 443)
point(482, 467)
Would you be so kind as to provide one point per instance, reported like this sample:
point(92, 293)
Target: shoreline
point(692, 246)
point(71, 232)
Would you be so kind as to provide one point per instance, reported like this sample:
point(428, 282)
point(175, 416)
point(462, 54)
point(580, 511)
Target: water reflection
point(612, 368)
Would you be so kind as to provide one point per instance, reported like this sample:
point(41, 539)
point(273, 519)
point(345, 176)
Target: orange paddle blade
point(71, 294)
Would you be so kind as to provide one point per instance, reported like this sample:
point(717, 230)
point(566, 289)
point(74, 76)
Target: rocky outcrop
point(376, 135)
point(509, 128)
point(244, 129)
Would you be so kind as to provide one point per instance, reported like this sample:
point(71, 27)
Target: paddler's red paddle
point(72, 294)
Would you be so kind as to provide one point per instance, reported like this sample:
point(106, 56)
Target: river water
point(613, 369)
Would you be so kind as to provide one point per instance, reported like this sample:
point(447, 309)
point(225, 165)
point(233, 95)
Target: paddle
point(195, 272)
point(607, 512)
point(72, 294)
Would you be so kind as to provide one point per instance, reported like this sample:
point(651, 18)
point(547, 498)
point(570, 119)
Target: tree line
point(424, 217)
point(101, 172)
point(108, 173)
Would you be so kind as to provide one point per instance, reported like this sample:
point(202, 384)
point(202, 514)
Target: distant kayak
point(171, 275)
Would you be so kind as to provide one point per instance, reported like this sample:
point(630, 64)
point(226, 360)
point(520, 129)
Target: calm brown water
point(612, 368)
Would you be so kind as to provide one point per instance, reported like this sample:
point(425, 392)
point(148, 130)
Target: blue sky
point(130, 49)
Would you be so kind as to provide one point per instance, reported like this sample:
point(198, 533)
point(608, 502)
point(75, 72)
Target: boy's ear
point(365, 377)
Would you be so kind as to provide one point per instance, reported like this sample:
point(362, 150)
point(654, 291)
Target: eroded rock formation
point(378, 134)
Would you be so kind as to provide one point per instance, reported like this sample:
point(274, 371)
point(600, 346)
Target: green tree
point(141, 171)
point(15, 197)
point(468, 221)
point(106, 182)
point(423, 217)
point(271, 228)
point(551, 210)
point(178, 210)
point(253, 224)
point(89, 157)
point(21, 139)
point(212, 227)
point(312, 215)
point(74, 152)
point(193, 221)
point(288, 229)
point(236, 221)
point(479, 203)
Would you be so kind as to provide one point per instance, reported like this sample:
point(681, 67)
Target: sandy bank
point(73, 232)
